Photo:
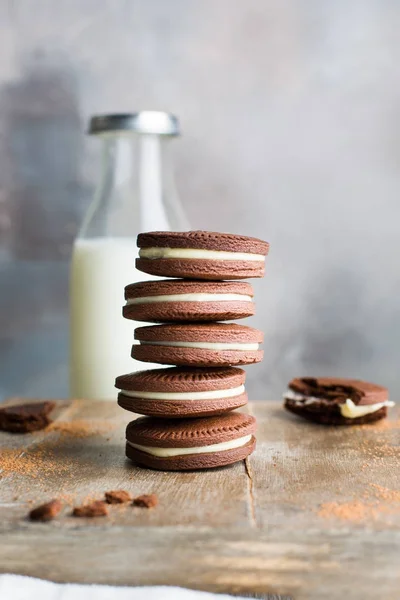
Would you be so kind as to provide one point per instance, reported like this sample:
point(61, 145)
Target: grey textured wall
point(290, 110)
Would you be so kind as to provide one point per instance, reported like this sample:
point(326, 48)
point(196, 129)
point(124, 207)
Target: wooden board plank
point(252, 562)
point(311, 476)
point(83, 455)
point(314, 513)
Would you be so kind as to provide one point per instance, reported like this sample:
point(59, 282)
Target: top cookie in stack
point(204, 383)
point(201, 255)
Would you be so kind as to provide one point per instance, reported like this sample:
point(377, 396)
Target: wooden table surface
point(314, 513)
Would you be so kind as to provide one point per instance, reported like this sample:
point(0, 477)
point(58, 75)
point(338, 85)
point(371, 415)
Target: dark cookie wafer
point(200, 345)
point(201, 255)
point(331, 400)
point(188, 300)
point(188, 444)
point(189, 433)
point(212, 270)
point(182, 392)
point(205, 240)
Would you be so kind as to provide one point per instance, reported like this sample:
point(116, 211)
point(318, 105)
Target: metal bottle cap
point(145, 121)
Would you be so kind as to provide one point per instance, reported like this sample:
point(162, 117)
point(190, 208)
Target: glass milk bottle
point(136, 193)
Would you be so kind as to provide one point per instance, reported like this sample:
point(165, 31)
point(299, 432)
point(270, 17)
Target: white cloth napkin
point(17, 587)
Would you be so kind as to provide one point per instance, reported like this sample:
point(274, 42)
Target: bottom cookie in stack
point(181, 392)
point(190, 444)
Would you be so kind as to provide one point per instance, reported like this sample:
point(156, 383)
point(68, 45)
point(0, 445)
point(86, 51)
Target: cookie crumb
point(98, 508)
point(46, 512)
point(146, 501)
point(117, 497)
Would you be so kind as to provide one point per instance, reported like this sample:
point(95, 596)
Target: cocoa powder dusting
point(379, 451)
point(386, 494)
point(81, 428)
point(355, 511)
point(37, 464)
point(382, 425)
point(68, 498)
point(376, 502)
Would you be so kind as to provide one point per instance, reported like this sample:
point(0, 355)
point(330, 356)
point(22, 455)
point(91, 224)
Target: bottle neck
point(136, 190)
point(154, 174)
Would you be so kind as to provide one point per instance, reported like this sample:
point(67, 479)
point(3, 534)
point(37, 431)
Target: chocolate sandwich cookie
point(188, 300)
point(337, 401)
point(182, 392)
point(198, 345)
point(187, 444)
point(201, 255)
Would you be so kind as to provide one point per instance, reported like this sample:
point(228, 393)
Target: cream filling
point(190, 298)
point(300, 398)
point(166, 452)
point(348, 409)
point(198, 253)
point(208, 395)
point(352, 411)
point(204, 345)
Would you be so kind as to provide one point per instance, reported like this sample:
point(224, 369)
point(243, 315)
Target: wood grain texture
point(300, 468)
point(278, 524)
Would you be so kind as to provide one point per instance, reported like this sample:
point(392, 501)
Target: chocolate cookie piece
point(337, 401)
point(24, 418)
point(182, 392)
point(188, 444)
point(188, 300)
point(98, 508)
point(146, 501)
point(198, 345)
point(46, 512)
point(117, 497)
point(201, 255)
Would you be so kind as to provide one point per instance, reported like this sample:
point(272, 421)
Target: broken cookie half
point(27, 417)
point(337, 401)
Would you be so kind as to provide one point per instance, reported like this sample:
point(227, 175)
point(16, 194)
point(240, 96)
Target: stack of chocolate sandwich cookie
point(189, 423)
